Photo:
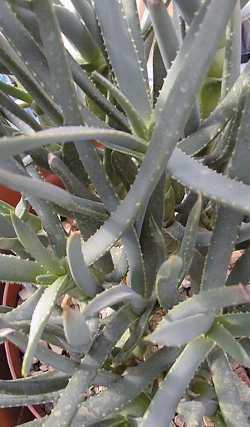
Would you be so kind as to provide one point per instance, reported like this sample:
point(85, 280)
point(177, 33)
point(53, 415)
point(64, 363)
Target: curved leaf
point(76, 330)
point(126, 389)
point(162, 143)
point(25, 310)
point(40, 316)
point(22, 73)
point(189, 239)
point(76, 31)
point(210, 301)
point(82, 379)
point(60, 363)
point(50, 192)
point(236, 323)
point(215, 186)
point(136, 121)
point(179, 332)
point(223, 338)
point(37, 384)
point(87, 14)
point(113, 139)
point(12, 400)
point(232, 60)
point(226, 390)
point(16, 270)
point(7, 103)
point(164, 403)
point(118, 36)
point(165, 33)
point(79, 271)
point(166, 281)
point(32, 245)
point(112, 296)
point(15, 92)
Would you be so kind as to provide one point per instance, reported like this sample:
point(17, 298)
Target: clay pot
point(10, 417)
point(13, 354)
point(9, 196)
point(10, 355)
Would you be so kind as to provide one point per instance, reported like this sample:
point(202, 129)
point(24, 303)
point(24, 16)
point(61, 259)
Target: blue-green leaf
point(226, 390)
point(16, 270)
point(164, 403)
point(40, 316)
point(127, 67)
point(79, 271)
point(167, 280)
point(224, 339)
point(76, 330)
point(179, 332)
point(32, 245)
point(112, 296)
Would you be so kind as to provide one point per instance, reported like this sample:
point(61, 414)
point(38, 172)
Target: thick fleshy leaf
point(79, 271)
point(76, 330)
point(12, 107)
point(236, 323)
point(60, 363)
point(16, 270)
point(224, 339)
point(112, 296)
point(40, 316)
point(32, 245)
point(133, 18)
point(137, 123)
point(25, 310)
point(211, 184)
point(12, 400)
point(193, 411)
point(181, 331)
point(15, 92)
point(127, 68)
point(164, 403)
point(188, 9)
point(166, 36)
point(125, 390)
point(210, 301)
point(226, 390)
point(136, 334)
point(189, 239)
point(21, 71)
point(121, 141)
point(82, 379)
point(50, 192)
point(167, 280)
point(38, 384)
point(162, 144)
point(232, 60)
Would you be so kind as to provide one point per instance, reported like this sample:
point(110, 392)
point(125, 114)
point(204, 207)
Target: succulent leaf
point(79, 271)
point(223, 338)
point(226, 390)
point(32, 244)
point(163, 406)
point(40, 316)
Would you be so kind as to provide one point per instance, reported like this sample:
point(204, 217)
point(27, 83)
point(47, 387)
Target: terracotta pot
point(51, 178)
point(10, 417)
point(9, 196)
point(13, 354)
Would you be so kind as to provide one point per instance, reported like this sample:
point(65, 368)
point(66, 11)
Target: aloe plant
point(156, 184)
